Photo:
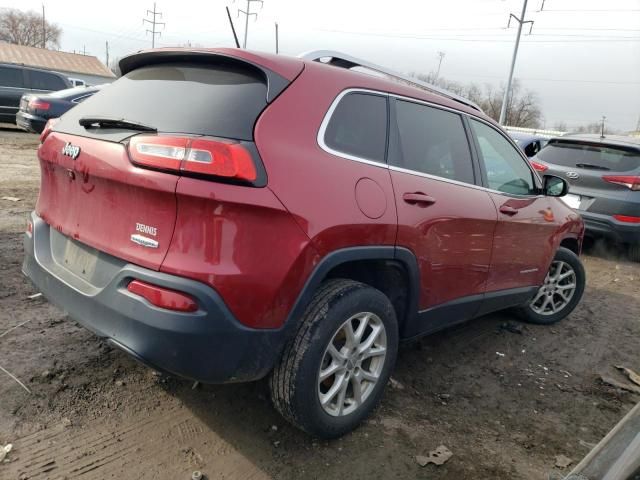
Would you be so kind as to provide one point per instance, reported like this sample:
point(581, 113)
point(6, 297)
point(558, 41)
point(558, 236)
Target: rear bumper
point(208, 345)
point(598, 225)
point(30, 123)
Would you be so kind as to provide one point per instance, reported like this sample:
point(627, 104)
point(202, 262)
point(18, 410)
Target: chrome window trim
point(327, 119)
point(337, 153)
point(78, 99)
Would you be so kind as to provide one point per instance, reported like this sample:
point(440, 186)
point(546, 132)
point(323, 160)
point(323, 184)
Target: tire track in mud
point(163, 444)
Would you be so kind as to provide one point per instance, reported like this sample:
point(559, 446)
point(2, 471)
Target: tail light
point(47, 129)
point(204, 156)
point(539, 167)
point(630, 181)
point(627, 218)
point(163, 297)
point(37, 104)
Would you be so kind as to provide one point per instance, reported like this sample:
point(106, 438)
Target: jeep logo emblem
point(573, 175)
point(70, 150)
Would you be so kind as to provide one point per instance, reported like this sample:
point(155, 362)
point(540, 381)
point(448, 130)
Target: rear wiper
point(593, 167)
point(106, 122)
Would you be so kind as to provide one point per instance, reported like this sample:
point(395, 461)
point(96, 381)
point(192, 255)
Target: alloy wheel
point(557, 291)
point(352, 364)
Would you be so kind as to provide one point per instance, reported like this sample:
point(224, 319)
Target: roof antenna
point(235, 37)
point(602, 128)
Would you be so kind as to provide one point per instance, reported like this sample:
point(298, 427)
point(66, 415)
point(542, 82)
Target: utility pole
point(441, 57)
point(84, 49)
point(233, 29)
point(107, 51)
point(602, 127)
point(277, 49)
point(44, 30)
point(154, 13)
point(521, 21)
point(247, 13)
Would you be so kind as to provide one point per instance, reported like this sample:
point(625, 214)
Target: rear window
point(358, 126)
point(217, 100)
point(570, 154)
point(45, 81)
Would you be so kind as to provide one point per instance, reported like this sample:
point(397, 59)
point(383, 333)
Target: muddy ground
point(506, 403)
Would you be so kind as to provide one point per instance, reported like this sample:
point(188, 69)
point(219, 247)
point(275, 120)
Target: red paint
point(627, 218)
point(163, 297)
point(257, 246)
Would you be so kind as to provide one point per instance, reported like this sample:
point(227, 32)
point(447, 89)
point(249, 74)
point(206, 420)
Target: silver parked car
point(604, 177)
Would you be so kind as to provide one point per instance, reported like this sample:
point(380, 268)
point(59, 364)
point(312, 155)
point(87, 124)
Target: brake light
point(37, 104)
point(627, 218)
point(539, 167)
point(220, 158)
point(47, 128)
point(163, 297)
point(630, 181)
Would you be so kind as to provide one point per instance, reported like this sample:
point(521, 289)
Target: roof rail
point(343, 60)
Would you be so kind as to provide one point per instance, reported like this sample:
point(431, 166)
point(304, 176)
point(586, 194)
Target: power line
point(153, 23)
point(521, 21)
point(247, 13)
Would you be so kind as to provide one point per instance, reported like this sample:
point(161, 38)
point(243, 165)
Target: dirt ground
point(505, 401)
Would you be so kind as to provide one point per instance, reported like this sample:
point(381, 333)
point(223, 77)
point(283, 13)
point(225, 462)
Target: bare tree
point(523, 109)
point(25, 28)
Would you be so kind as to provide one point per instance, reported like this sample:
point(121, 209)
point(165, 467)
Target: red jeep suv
point(224, 215)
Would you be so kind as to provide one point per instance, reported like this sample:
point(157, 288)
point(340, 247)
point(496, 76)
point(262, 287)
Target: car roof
point(27, 67)
point(525, 137)
point(611, 140)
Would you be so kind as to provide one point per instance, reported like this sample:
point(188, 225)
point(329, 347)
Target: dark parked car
point(36, 109)
point(224, 215)
point(530, 144)
point(604, 179)
point(16, 80)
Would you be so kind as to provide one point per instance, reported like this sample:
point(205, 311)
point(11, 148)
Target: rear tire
point(561, 292)
point(333, 372)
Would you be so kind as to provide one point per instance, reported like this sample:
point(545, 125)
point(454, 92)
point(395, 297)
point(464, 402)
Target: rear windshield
point(586, 155)
point(215, 100)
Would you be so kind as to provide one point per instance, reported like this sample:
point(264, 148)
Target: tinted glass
point(432, 141)
point(358, 126)
point(506, 169)
point(218, 100)
point(575, 154)
point(11, 77)
point(45, 81)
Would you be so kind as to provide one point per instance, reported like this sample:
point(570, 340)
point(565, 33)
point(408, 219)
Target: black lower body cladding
point(208, 345)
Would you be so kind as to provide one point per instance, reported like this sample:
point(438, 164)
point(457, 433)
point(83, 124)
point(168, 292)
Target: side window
point(506, 169)
point(431, 141)
point(45, 81)
point(11, 77)
point(358, 126)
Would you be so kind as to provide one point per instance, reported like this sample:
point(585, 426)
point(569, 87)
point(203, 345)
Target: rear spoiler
point(276, 83)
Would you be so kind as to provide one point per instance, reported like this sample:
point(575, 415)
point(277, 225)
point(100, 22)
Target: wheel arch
point(393, 270)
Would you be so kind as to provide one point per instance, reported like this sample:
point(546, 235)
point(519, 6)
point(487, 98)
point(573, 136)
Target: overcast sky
point(583, 57)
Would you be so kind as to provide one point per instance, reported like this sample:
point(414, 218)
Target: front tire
point(562, 290)
point(333, 372)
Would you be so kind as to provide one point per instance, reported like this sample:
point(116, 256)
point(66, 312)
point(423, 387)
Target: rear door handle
point(507, 210)
point(418, 198)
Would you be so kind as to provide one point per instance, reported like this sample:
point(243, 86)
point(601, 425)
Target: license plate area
point(572, 201)
point(79, 259)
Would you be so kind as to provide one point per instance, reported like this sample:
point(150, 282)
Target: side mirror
point(555, 186)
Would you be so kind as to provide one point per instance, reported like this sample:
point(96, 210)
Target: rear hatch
point(604, 177)
point(111, 165)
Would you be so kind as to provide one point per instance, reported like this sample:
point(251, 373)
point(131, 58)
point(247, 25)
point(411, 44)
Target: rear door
point(522, 249)
point(443, 217)
point(92, 191)
point(600, 175)
point(12, 86)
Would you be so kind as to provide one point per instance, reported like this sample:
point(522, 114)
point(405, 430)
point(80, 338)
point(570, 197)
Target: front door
point(443, 216)
point(523, 246)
